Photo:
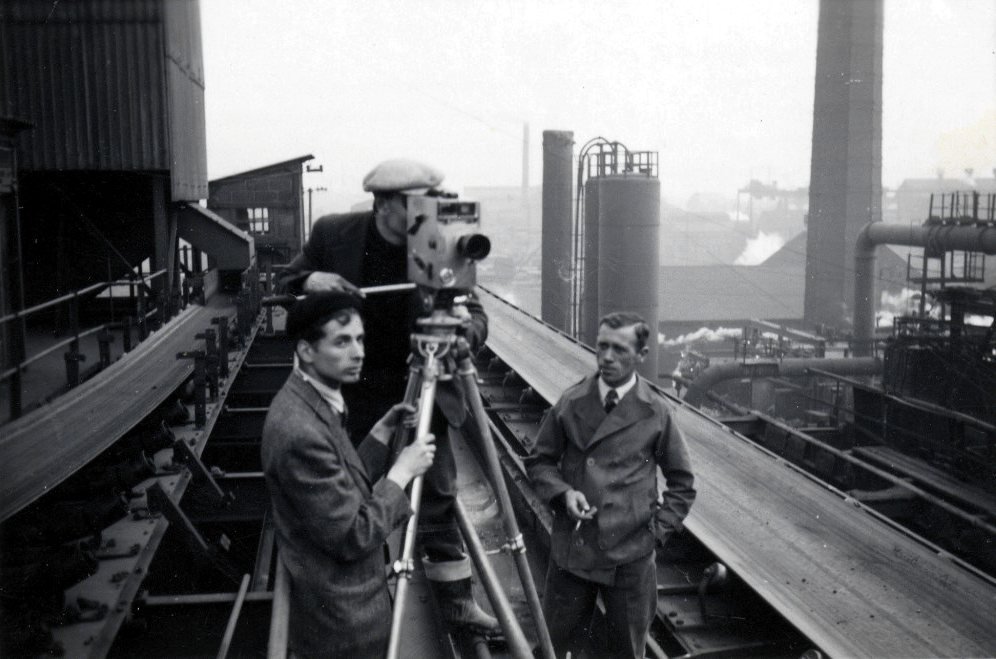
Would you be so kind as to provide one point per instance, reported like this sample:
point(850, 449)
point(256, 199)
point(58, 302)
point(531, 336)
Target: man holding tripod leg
point(332, 510)
point(353, 250)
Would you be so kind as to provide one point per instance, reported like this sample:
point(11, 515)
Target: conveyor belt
point(42, 448)
point(851, 583)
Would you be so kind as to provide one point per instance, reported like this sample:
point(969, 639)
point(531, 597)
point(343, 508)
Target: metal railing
point(150, 311)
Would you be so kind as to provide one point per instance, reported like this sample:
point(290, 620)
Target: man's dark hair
point(618, 319)
point(307, 317)
point(315, 331)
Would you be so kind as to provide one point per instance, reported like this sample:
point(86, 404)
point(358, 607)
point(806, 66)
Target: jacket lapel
point(633, 407)
point(326, 416)
point(588, 412)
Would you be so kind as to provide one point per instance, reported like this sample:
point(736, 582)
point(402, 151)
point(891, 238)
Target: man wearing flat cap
point(353, 250)
point(334, 505)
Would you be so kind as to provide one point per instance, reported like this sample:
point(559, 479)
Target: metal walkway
point(42, 448)
point(854, 585)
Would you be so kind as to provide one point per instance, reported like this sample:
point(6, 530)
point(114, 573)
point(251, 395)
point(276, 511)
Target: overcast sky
point(723, 89)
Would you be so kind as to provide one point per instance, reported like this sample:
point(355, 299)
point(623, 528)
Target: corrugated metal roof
point(773, 289)
point(265, 169)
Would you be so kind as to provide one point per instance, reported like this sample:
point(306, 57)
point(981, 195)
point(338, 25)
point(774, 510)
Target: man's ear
point(305, 351)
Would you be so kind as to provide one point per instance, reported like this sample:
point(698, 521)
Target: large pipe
point(557, 265)
point(934, 239)
point(710, 377)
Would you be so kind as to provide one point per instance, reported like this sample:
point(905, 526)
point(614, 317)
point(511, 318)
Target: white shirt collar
point(331, 396)
point(621, 390)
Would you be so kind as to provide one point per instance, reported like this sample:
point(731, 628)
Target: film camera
point(444, 241)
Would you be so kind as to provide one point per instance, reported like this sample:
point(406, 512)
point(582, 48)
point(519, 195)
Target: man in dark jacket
point(332, 510)
point(354, 250)
point(595, 462)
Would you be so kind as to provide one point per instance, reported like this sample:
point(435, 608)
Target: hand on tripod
point(414, 460)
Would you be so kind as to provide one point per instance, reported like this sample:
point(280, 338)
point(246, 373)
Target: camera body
point(444, 241)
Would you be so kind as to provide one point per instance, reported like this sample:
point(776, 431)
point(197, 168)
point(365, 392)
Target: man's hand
point(402, 413)
point(329, 281)
point(577, 505)
point(414, 460)
point(460, 311)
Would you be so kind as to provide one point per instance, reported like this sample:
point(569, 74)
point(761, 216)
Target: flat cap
point(317, 309)
point(401, 175)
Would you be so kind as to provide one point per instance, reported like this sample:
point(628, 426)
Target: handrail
point(49, 350)
point(23, 313)
point(14, 371)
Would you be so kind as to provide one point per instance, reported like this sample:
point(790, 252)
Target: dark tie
point(611, 400)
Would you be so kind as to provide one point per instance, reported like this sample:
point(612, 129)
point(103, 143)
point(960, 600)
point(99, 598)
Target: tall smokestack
point(556, 234)
point(845, 189)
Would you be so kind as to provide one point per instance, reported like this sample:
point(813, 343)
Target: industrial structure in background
point(846, 501)
point(845, 179)
point(268, 204)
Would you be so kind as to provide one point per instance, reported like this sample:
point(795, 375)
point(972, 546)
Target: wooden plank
point(853, 584)
point(41, 449)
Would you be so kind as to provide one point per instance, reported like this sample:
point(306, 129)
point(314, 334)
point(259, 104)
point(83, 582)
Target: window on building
point(259, 220)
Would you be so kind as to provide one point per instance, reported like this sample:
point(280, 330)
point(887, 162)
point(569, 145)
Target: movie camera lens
point(474, 246)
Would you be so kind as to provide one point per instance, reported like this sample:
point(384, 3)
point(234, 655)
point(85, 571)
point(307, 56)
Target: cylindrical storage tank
point(588, 322)
point(629, 252)
point(558, 153)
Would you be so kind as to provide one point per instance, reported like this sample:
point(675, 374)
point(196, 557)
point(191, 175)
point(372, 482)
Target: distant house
point(266, 202)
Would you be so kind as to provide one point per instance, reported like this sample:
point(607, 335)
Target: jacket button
point(590, 462)
point(579, 542)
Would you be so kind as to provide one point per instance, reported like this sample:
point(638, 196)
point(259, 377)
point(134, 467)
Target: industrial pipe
point(716, 373)
point(935, 239)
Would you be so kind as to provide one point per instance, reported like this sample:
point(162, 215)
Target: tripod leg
point(405, 565)
point(468, 375)
point(514, 637)
point(413, 388)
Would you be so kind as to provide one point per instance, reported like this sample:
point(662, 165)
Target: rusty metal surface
point(852, 584)
point(42, 448)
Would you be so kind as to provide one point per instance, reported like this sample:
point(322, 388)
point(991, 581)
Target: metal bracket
point(515, 546)
point(200, 384)
point(404, 567)
point(183, 454)
point(161, 502)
